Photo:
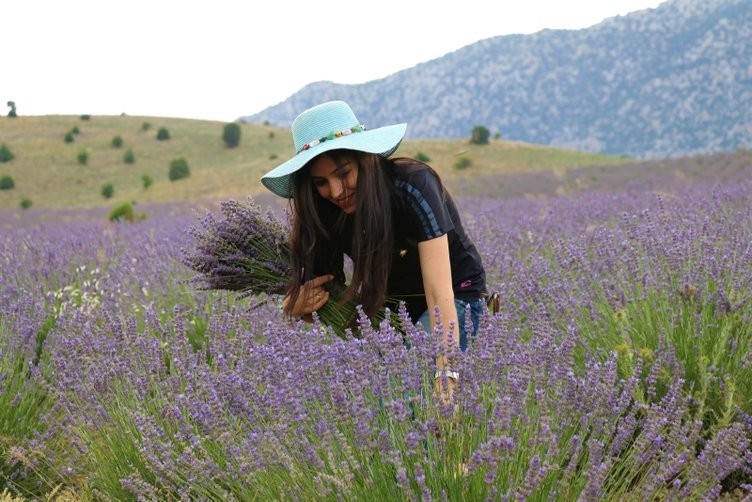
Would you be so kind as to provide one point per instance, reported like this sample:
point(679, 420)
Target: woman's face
point(335, 178)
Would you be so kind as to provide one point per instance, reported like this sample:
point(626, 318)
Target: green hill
point(46, 169)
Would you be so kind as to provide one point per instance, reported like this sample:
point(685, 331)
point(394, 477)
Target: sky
point(222, 59)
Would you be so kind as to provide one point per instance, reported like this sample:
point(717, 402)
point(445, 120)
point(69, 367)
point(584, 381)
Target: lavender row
point(577, 389)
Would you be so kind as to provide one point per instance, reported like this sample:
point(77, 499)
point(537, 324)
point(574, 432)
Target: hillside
point(671, 81)
point(46, 170)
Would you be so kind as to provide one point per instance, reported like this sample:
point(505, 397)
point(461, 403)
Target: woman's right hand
point(311, 298)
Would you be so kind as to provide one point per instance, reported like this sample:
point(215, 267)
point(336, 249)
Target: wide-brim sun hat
point(330, 126)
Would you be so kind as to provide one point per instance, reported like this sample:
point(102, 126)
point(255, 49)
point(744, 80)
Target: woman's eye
point(319, 183)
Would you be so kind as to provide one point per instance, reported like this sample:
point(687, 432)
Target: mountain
point(670, 81)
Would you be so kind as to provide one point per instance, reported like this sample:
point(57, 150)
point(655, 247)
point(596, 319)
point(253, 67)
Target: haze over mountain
point(670, 81)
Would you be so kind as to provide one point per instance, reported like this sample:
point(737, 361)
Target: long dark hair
point(316, 239)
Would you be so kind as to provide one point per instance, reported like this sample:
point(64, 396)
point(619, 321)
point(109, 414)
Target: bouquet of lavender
point(246, 250)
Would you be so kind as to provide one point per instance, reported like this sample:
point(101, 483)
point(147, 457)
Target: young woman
point(391, 216)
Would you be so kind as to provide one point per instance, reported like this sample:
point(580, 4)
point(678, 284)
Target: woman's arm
point(437, 283)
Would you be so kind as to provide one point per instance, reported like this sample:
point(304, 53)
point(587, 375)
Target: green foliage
point(5, 154)
point(129, 157)
point(86, 116)
point(12, 113)
point(125, 212)
point(6, 182)
point(422, 157)
point(480, 135)
point(271, 134)
point(26, 203)
point(145, 126)
point(461, 163)
point(108, 190)
point(76, 130)
point(69, 137)
point(117, 141)
point(147, 181)
point(83, 156)
point(163, 134)
point(231, 134)
point(497, 136)
point(179, 169)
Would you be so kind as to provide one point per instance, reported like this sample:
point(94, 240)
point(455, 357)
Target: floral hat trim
point(332, 135)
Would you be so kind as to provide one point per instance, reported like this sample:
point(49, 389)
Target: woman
point(392, 217)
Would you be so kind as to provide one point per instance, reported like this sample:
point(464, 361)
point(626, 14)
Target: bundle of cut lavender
point(246, 250)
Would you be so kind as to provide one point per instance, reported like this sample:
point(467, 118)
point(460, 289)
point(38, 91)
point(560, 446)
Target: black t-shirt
point(426, 212)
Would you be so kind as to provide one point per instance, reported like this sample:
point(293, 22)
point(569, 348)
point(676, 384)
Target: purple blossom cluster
point(618, 366)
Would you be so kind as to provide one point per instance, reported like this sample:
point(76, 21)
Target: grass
point(46, 170)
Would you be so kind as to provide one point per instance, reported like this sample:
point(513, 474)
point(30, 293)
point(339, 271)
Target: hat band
point(332, 135)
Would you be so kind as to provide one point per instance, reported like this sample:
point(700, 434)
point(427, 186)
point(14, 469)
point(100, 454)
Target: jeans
point(476, 311)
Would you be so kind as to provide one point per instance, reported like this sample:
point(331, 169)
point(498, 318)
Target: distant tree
point(69, 137)
point(26, 203)
point(422, 157)
point(163, 134)
point(117, 141)
point(146, 181)
point(179, 169)
point(108, 190)
point(129, 157)
point(85, 116)
point(497, 136)
point(145, 126)
point(231, 135)
point(7, 183)
point(5, 154)
point(83, 156)
point(462, 163)
point(480, 135)
point(75, 130)
point(12, 113)
point(125, 212)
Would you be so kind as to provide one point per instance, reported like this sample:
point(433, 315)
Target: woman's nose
point(337, 188)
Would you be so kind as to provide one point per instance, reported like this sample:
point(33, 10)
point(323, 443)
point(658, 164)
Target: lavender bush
point(618, 367)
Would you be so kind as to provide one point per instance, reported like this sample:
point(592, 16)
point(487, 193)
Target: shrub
point(83, 157)
point(231, 135)
point(422, 157)
point(145, 126)
point(163, 134)
point(271, 134)
point(146, 181)
point(25, 203)
point(480, 135)
point(129, 157)
point(462, 163)
point(69, 137)
point(86, 116)
point(179, 169)
point(125, 212)
point(76, 130)
point(117, 141)
point(108, 190)
point(5, 154)
point(6, 183)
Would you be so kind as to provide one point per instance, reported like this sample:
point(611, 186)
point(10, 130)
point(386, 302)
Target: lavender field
point(618, 366)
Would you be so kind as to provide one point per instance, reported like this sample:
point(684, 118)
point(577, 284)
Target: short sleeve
point(425, 204)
